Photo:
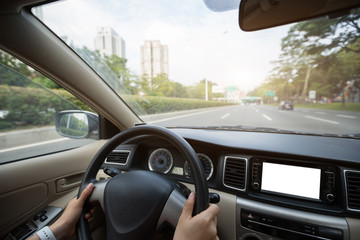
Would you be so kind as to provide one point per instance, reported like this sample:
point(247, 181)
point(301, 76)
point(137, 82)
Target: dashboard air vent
point(118, 157)
point(353, 189)
point(235, 173)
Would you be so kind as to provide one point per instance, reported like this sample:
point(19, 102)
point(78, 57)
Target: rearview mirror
point(261, 14)
point(77, 124)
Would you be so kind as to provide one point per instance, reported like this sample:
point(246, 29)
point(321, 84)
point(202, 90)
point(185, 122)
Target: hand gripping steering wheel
point(137, 202)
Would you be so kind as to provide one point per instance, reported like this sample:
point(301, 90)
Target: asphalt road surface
point(300, 120)
point(40, 148)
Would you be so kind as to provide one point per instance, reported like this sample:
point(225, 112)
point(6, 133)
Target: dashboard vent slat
point(235, 173)
point(118, 157)
point(353, 189)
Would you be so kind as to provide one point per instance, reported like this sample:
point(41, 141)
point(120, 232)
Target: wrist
point(59, 231)
point(46, 234)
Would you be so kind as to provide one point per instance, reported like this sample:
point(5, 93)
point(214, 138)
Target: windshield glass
point(179, 64)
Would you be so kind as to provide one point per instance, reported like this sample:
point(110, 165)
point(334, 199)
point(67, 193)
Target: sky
point(202, 43)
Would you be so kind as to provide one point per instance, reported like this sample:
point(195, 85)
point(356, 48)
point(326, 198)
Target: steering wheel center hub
point(135, 200)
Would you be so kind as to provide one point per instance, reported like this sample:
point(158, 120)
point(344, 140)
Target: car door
point(38, 167)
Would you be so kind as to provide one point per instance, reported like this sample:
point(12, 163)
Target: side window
point(29, 103)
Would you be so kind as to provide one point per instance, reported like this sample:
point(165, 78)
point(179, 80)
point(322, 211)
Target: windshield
point(179, 64)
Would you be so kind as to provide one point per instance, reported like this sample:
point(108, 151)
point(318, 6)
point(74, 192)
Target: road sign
point(312, 94)
point(270, 93)
point(218, 89)
point(232, 89)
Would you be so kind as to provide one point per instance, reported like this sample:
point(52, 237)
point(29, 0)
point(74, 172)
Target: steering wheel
point(136, 203)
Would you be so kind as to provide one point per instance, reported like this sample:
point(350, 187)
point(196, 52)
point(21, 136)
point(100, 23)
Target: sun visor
point(222, 5)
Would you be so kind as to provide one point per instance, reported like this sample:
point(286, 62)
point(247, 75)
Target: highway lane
point(301, 119)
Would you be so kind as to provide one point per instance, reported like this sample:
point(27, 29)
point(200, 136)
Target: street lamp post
point(206, 89)
point(287, 88)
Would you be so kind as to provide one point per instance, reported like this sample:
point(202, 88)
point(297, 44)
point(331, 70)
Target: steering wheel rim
point(201, 189)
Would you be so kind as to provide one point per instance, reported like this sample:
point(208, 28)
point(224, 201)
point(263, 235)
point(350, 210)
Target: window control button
point(43, 218)
point(39, 215)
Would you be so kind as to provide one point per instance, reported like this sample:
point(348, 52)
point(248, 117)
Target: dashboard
point(286, 186)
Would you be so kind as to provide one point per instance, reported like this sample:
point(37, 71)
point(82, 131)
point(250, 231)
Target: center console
point(297, 180)
point(287, 229)
point(260, 221)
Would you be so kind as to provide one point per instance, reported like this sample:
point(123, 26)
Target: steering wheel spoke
point(97, 196)
point(172, 209)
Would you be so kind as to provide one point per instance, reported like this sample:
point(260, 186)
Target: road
point(301, 119)
point(40, 148)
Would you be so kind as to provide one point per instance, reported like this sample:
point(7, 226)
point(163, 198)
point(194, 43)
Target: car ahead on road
point(286, 105)
point(152, 89)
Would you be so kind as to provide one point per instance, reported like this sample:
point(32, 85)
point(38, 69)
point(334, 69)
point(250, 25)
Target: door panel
point(13, 205)
point(28, 186)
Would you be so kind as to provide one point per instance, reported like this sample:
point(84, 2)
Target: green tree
point(143, 85)
point(179, 91)
point(320, 55)
point(118, 66)
point(161, 86)
point(19, 67)
point(15, 64)
point(198, 90)
point(38, 79)
point(338, 34)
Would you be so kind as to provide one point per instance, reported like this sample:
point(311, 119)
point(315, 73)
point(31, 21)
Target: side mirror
point(77, 124)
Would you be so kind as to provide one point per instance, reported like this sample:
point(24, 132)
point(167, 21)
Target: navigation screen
point(293, 180)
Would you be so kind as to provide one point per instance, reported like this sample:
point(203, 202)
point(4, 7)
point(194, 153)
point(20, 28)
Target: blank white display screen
point(293, 180)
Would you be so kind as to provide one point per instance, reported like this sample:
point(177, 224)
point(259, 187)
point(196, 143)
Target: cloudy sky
point(202, 43)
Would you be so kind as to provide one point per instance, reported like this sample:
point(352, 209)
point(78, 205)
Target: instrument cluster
point(161, 160)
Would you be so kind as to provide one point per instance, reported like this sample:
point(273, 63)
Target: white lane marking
point(225, 116)
point(256, 110)
point(322, 113)
point(267, 117)
point(321, 119)
point(32, 145)
point(346, 116)
point(180, 116)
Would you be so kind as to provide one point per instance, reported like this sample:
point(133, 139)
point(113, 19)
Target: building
point(154, 59)
point(108, 42)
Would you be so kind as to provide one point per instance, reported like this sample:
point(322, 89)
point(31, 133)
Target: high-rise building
point(108, 42)
point(154, 59)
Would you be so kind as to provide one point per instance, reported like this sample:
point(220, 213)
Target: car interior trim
point(227, 216)
point(172, 209)
point(98, 194)
point(354, 229)
point(346, 171)
point(293, 215)
point(119, 163)
point(246, 174)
